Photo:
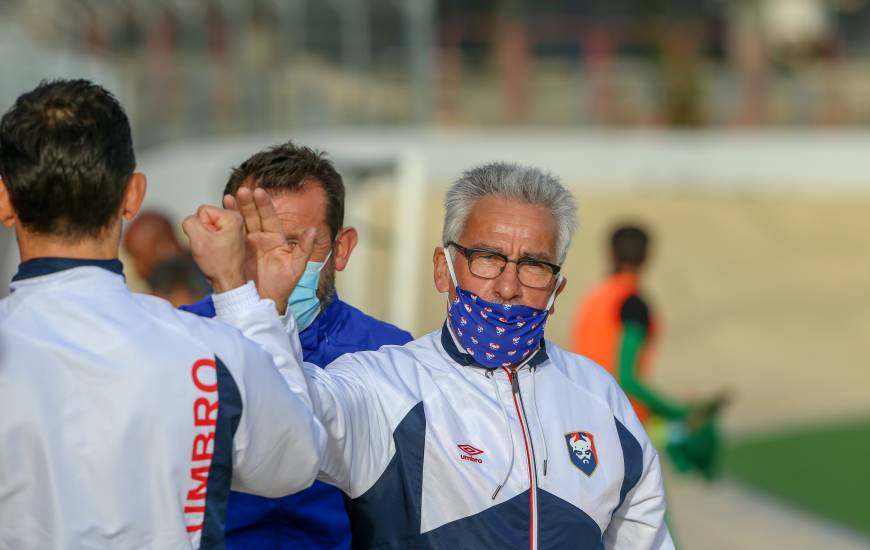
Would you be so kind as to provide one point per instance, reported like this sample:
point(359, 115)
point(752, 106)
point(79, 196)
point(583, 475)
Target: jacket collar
point(38, 267)
point(449, 344)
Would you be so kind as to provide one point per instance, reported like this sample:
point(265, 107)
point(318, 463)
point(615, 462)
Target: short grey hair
point(514, 182)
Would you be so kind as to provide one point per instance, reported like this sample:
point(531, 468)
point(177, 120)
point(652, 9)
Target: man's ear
point(441, 275)
point(559, 290)
point(133, 195)
point(344, 245)
point(7, 212)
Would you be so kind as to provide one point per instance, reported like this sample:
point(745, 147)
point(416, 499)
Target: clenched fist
point(217, 242)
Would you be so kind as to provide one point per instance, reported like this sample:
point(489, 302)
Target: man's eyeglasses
point(488, 264)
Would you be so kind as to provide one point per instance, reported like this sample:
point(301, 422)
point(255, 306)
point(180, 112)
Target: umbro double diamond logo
point(470, 453)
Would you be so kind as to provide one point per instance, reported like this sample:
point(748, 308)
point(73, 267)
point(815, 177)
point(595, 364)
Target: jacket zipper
point(514, 379)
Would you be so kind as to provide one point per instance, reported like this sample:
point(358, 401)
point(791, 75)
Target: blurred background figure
point(616, 328)
point(178, 280)
point(160, 261)
point(150, 239)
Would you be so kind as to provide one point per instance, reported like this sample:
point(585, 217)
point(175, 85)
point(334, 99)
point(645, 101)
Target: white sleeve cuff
point(286, 318)
point(237, 300)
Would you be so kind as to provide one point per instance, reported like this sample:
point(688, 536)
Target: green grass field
point(823, 469)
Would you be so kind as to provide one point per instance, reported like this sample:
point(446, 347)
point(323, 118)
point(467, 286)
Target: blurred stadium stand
point(190, 69)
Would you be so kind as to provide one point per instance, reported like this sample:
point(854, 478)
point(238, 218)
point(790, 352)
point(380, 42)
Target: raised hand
point(217, 243)
point(274, 265)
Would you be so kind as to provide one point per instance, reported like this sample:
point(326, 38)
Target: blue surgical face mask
point(303, 301)
point(495, 335)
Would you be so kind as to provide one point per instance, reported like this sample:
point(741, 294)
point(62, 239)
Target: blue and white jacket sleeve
point(279, 443)
point(258, 320)
point(359, 415)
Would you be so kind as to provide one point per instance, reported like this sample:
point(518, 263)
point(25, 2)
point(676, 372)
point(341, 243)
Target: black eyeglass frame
point(467, 252)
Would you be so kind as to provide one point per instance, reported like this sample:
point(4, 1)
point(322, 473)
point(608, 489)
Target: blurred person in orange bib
point(616, 328)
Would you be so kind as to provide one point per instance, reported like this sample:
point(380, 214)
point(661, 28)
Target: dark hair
point(66, 155)
point(286, 167)
point(175, 273)
point(629, 245)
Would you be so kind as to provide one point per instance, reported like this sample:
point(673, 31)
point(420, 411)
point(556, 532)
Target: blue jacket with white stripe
point(315, 518)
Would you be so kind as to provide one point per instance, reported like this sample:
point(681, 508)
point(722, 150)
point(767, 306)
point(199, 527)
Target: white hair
point(514, 182)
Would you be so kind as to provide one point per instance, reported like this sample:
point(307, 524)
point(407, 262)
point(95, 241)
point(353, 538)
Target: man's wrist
point(280, 299)
point(281, 306)
point(227, 282)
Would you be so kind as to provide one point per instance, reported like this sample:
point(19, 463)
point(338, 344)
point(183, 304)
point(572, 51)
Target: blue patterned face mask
point(303, 301)
point(495, 335)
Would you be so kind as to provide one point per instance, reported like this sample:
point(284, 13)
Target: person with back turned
point(124, 422)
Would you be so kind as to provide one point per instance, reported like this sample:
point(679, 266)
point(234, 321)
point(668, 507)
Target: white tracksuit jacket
point(420, 440)
point(123, 421)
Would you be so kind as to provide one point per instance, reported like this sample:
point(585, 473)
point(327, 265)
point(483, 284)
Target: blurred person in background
point(149, 240)
point(178, 280)
point(306, 191)
point(482, 434)
point(616, 328)
point(124, 422)
point(161, 261)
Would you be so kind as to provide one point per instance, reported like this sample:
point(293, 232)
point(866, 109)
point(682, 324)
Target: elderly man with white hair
point(468, 437)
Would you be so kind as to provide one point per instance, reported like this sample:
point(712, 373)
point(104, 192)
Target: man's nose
point(507, 285)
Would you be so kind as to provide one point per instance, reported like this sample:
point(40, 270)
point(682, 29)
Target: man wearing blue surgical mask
point(306, 191)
